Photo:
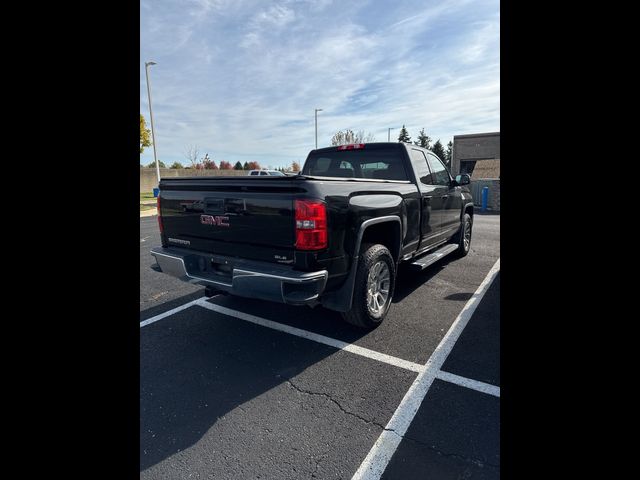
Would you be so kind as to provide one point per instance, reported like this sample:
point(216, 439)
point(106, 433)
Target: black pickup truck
point(333, 235)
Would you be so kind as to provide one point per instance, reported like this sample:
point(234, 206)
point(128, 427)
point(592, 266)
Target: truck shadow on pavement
point(409, 281)
point(197, 367)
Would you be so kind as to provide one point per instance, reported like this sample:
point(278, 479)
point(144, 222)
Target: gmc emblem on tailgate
point(214, 220)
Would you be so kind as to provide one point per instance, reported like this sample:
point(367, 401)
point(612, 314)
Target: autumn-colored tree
point(295, 167)
point(145, 134)
point(224, 165)
point(209, 164)
point(253, 166)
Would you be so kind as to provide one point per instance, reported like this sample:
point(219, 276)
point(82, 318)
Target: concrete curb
point(149, 213)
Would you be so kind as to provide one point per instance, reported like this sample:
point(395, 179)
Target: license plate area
point(221, 269)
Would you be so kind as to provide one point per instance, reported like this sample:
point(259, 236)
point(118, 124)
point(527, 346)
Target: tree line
point(342, 137)
point(192, 154)
point(346, 137)
point(208, 164)
point(424, 141)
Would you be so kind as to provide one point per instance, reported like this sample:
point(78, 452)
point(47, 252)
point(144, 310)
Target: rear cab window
point(382, 162)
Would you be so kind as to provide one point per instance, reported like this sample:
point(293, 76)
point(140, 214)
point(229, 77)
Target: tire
point(377, 262)
point(459, 238)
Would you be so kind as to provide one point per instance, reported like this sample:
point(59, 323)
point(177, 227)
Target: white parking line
point(380, 454)
point(168, 313)
point(332, 342)
point(469, 383)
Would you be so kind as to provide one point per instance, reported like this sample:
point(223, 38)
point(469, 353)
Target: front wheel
point(373, 290)
point(463, 237)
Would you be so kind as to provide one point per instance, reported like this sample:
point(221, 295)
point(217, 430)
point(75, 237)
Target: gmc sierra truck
point(333, 235)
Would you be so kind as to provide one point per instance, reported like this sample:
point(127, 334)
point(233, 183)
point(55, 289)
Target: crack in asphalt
point(472, 460)
point(321, 394)
point(475, 461)
point(322, 457)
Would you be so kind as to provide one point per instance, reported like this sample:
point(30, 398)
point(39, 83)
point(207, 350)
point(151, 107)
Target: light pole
point(153, 135)
point(389, 133)
point(316, 113)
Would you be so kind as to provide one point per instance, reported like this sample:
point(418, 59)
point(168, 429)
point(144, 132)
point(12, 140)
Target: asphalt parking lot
point(240, 388)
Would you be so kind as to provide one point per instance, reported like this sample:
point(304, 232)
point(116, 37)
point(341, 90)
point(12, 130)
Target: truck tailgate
point(249, 217)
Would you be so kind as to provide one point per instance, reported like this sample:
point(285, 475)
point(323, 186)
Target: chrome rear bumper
point(245, 278)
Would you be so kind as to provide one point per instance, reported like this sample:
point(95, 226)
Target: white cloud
point(241, 79)
point(275, 16)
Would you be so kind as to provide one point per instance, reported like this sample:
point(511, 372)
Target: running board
point(423, 262)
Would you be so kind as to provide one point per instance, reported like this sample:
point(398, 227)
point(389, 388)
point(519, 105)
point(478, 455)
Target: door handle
point(444, 197)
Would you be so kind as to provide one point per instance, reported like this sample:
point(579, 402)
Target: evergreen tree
point(438, 149)
point(238, 166)
point(424, 140)
point(404, 135)
point(449, 153)
point(245, 166)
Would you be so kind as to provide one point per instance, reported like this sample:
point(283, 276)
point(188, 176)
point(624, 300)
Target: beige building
point(477, 154)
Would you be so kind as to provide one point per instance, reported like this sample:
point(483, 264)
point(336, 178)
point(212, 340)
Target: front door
point(431, 200)
point(451, 196)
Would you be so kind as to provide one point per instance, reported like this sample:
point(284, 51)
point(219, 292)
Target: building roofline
point(469, 135)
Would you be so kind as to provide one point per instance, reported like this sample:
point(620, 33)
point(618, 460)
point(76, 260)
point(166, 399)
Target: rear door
point(431, 200)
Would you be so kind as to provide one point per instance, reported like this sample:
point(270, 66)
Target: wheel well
point(469, 210)
point(386, 234)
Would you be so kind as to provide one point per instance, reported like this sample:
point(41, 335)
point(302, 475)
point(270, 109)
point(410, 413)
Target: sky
point(240, 79)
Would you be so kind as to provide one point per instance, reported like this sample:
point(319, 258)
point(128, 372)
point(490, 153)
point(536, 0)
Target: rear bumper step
point(429, 259)
point(243, 278)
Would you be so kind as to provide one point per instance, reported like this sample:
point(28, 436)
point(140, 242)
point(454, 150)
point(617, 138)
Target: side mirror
point(463, 179)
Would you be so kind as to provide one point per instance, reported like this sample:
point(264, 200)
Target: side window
point(254, 173)
point(264, 173)
point(422, 169)
point(440, 174)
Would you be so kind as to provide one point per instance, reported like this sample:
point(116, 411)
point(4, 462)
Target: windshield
point(384, 163)
point(277, 174)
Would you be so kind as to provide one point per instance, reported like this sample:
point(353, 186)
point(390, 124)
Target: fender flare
point(342, 299)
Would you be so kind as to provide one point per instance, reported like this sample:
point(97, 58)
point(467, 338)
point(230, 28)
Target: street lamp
point(389, 133)
point(153, 136)
point(316, 113)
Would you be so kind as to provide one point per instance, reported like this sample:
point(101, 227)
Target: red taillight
point(311, 225)
point(160, 217)
point(354, 146)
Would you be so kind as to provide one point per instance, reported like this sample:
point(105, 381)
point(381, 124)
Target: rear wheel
point(373, 290)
